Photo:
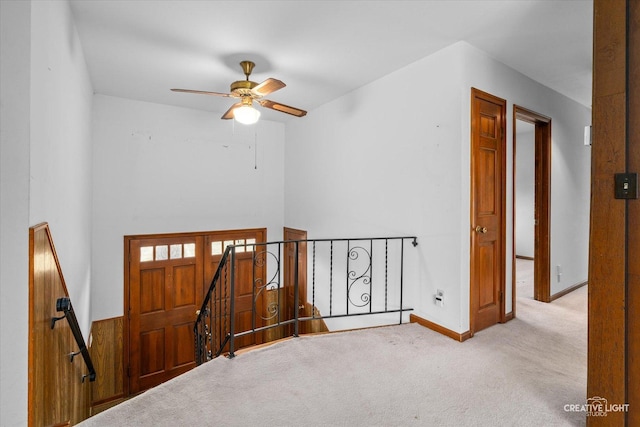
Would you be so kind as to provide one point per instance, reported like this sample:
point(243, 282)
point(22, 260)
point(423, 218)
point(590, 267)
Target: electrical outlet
point(438, 298)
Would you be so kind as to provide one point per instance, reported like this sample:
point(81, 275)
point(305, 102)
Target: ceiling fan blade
point(229, 114)
point(268, 86)
point(282, 108)
point(202, 92)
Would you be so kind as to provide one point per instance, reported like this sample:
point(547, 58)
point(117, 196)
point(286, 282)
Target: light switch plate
point(626, 186)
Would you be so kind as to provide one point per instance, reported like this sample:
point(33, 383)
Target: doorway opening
point(524, 207)
point(532, 205)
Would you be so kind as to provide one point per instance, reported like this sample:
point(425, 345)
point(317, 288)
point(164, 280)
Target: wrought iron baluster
point(371, 276)
point(209, 343)
point(331, 281)
point(223, 330)
point(360, 277)
point(213, 304)
point(253, 293)
point(279, 284)
point(348, 272)
point(232, 304)
point(401, 274)
point(272, 284)
point(386, 272)
point(313, 282)
point(296, 292)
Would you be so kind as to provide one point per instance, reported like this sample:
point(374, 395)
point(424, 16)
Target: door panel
point(487, 209)
point(167, 280)
point(486, 277)
point(184, 291)
point(290, 303)
point(248, 273)
point(166, 289)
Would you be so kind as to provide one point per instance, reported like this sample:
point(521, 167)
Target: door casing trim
point(542, 197)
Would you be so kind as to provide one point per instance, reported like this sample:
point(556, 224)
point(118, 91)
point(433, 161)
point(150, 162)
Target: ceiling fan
point(248, 91)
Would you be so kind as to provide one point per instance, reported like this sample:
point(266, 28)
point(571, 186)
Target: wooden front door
point(166, 280)
point(488, 190)
point(291, 303)
point(166, 289)
point(249, 276)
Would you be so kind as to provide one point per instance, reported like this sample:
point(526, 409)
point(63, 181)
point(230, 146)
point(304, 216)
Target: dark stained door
point(249, 277)
point(166, 289)
point(488, 190)
point(291, 303)
point(167, 277)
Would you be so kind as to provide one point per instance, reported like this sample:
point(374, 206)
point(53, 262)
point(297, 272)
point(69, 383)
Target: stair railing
point(210, 329)
point(64, 304)
point(346, 278)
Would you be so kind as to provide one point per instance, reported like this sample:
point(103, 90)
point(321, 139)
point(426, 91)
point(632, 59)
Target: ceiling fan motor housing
point(242, 87)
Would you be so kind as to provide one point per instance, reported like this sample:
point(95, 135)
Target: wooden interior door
point(166, 289)
point(249, 277)
point(291, 303)
point(488, 165)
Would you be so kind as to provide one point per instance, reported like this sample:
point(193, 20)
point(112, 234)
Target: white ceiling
point(320, 49)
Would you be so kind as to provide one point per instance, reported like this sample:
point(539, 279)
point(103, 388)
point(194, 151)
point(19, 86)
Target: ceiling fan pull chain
point(255, 147)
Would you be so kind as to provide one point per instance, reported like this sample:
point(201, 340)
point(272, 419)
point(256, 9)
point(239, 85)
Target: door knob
point(480, 229)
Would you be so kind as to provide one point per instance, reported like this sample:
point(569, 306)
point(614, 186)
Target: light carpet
point(521, 373)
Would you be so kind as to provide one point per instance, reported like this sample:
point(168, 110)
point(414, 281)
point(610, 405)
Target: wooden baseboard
point(460, 337)
point(508, 316)
point(566, 291)
point(530, 258)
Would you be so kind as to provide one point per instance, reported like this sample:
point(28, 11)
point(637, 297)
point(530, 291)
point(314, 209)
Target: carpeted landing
point(521, 373)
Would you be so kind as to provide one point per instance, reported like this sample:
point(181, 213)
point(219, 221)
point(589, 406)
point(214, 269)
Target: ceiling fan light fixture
point(247, 115)
point(248, 91)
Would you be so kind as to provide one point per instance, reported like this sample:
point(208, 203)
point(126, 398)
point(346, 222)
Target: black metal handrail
point(364, 262)
point(202, 331)
point(64, 304)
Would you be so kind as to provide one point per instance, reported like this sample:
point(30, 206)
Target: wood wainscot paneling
point(57, 391)
point(107, 353)
point(314, 326)
point(317, 325)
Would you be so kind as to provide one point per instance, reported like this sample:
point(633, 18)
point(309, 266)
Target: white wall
point(570, 162)
point(15, 52)
point(393, 158)
point(46, 158)
point(61, 98)
point(385, 160)
point(525, 189)
point(163, 169)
